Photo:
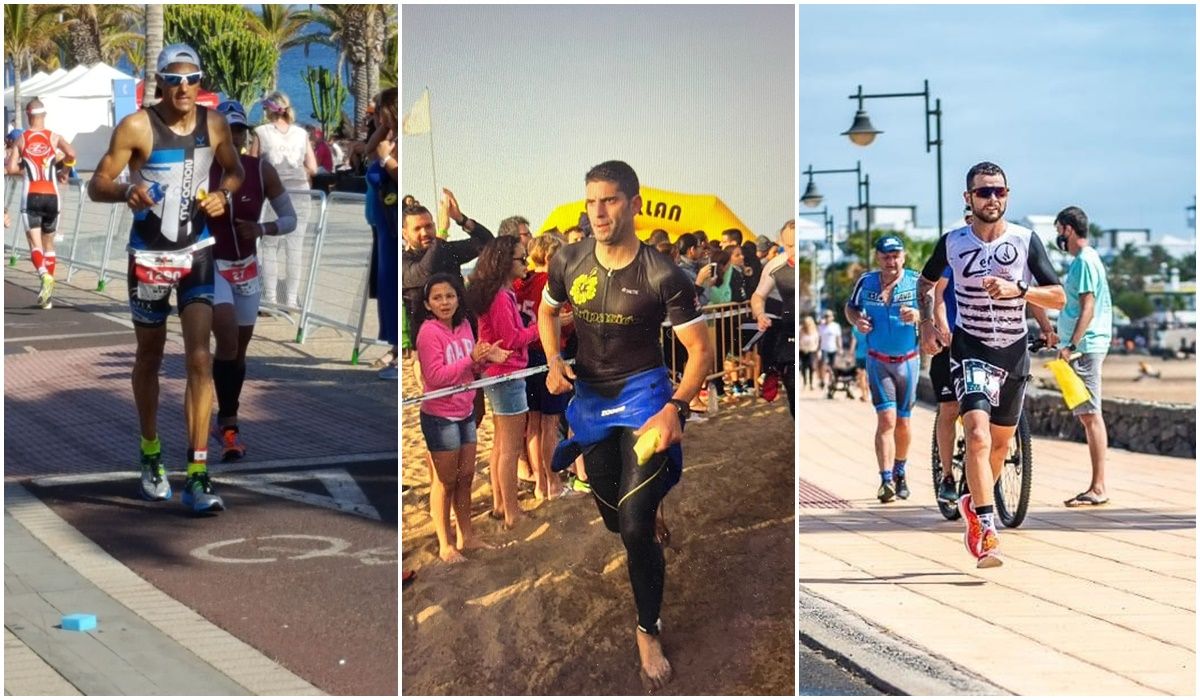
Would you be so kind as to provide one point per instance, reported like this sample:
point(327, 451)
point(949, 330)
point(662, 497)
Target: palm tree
point(360, 34)
point(282, 26)
point(29, 34)
point(99, 32)
point(154, 43)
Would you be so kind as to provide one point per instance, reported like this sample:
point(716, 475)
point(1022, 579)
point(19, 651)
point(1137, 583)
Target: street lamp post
point(827, 225)
point(812, 197)
point(862, 133)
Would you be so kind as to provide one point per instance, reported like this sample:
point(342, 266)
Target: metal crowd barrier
point(335, 247)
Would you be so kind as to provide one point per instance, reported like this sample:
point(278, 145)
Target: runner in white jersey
point(998, 267)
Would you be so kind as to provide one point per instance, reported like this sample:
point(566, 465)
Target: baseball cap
point(234, 112)
point(889, 244)
point(14, 135)
point(764, 244)
point(177, 53)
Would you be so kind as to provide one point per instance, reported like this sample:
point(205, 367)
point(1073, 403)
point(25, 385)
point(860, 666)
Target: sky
point(525, 99)
point(1081, 105)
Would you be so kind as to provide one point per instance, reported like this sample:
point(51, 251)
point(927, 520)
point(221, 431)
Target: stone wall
point(1140, 426)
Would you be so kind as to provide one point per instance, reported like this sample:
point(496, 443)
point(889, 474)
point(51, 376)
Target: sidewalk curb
point(236, 660)
point(887, 661)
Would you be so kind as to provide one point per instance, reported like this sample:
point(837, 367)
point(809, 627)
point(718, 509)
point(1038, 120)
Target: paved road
point(293, 589)
point(821, 676)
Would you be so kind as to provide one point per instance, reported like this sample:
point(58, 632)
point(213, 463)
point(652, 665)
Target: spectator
point(809, 344)
point(449, 356)
point(766, 250)
point(657, 236)
point(670, 250)
point(731, 237)
point(691, 255)
point(723, 277)
point(490, 297)
point(381, 213)
point(321, 150)
point(574, 235)
point(751, 265)
point(831, 345)
point(701, 237)
point(284, 144)
point(516, 226)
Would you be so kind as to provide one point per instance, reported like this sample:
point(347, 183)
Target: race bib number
point(157, 271)
point(242, 275)
point(980, 377)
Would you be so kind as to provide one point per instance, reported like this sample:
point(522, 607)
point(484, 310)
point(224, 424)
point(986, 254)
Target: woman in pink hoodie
point(490, 296)
point(449, 357)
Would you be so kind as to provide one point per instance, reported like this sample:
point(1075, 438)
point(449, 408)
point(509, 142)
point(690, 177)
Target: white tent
point(79, 106)
point(808, 229)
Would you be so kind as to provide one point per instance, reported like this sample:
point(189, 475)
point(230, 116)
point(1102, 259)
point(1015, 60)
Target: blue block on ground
point(79, 622)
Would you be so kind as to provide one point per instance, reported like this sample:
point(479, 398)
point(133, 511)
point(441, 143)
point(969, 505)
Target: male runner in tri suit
point(993, 263)
point(33, 155)
point(945, 312)
point(168, 149)
point(882, 306)
point(236, 285)
point(621, 290)
point(779, 336)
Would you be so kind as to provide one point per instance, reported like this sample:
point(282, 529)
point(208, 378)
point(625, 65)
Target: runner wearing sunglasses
point(993, 264)
point(169, 149)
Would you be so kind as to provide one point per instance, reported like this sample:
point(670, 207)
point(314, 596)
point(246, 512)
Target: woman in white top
point(285, 145)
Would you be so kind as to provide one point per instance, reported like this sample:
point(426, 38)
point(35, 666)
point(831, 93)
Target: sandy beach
point(550, 611)
point(1177, 384)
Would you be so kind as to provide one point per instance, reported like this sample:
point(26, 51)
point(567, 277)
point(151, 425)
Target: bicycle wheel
point(949, 511)
point(1016, 478)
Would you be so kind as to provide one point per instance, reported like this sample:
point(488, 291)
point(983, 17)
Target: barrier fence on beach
point(335, 255)
point(734, 341)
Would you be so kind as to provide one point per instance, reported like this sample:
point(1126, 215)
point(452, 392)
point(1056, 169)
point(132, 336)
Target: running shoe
point(902, 488)
point(231, 447)
point(989, 551)
point(198, 494)
point(577, 484)
point(947, 490)
point(974, 531)
point(155, 486)
point(886, 493)
point(47, 289)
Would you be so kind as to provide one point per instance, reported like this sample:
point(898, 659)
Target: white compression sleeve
point(284, 213)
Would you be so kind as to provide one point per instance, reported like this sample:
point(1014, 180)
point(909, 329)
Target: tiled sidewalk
point(1090, 601)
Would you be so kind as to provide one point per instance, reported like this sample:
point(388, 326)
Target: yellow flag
point(417, 120)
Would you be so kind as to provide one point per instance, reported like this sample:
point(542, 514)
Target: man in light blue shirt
point(1085, 330)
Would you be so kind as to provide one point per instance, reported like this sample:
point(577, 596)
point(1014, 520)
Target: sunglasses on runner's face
point(989, 192)
point(176, 79)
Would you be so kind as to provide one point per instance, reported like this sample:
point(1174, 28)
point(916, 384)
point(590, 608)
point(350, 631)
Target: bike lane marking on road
point(330, 547)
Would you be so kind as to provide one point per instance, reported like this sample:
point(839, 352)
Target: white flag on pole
point(417, 120)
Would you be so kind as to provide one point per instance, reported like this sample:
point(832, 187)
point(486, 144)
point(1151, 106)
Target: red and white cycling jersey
point(37, 157)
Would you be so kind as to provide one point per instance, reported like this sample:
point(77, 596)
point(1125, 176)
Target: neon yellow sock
point(196, 468)
point(151, 447)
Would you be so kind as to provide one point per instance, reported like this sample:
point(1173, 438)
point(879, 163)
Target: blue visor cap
point(889, 244)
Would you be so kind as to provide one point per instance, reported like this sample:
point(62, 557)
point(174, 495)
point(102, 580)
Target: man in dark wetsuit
point(993, 264)
point(621, 291)
point(169, 148)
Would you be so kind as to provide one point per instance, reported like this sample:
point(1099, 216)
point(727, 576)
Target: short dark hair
point(460, 314)
point(701, 235)
point(415, 210)
point(616, 171)
point(984, 168)
point(1075, 218)
point(735, 234)
point(686, 242)
point(657, 236)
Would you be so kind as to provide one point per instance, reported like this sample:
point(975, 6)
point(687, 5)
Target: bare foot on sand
point(513, 524)
point(473, 543)
point(450, 555)
point(656, 670)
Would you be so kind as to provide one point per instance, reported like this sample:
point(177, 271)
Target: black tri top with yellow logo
point(619, 313)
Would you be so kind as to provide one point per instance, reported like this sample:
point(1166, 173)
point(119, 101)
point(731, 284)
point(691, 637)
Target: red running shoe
point(231, 446)
point(989, 551)
point(770, 387)
point(973, 537)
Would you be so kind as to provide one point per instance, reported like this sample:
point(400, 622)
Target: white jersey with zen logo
point(996, 323)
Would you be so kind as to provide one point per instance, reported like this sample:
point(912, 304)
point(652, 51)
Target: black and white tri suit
point(989, 360)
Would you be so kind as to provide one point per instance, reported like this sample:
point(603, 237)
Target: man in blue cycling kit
point(883, 306)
